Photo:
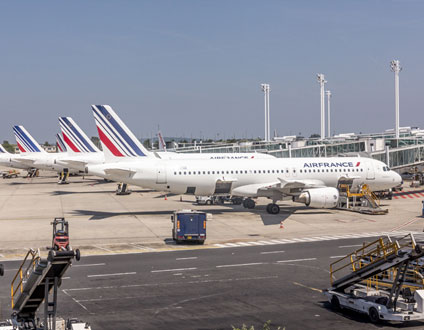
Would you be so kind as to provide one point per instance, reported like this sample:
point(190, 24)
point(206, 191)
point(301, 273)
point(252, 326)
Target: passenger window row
point(267, 171)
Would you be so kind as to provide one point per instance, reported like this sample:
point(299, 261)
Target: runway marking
point(336, 257)
point(349, 246)
point(255, 243)
point(404, 225)
point(172, 270)
point(308, 287)
point(187, 258)
point(103, 248)
point(296, 260)
point(66, 278)
point(271, 252)
point(266, 242)
point(115, 274)
point(90, 265)
point(240, 265)
point(76, 301)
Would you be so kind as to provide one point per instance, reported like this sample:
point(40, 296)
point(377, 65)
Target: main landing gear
point(273, 208)
point(249, 203)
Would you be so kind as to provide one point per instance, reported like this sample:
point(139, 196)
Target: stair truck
point(355, 281)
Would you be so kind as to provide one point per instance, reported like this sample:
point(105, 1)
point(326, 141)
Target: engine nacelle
point(324, 198)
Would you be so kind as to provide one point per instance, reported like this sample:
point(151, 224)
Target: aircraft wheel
point(273, 208)
point(249, 203)
point(335, 303)
point(1, 270)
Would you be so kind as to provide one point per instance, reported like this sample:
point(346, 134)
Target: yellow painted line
point(308, 287)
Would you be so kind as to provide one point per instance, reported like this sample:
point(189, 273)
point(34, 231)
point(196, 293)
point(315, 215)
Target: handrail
point(23, 275)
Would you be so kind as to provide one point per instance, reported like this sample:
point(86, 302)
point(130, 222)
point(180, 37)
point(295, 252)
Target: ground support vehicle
point(209, 200)
point(189, 226)
point(10, 174)
point(355, 281)
point(60, 239)
point(63, 176)
point(36, 283)
point(32, 173)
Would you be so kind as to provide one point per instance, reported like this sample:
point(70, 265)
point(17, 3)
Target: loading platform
point(361, 200)
point(36, 282)
point(376, 280)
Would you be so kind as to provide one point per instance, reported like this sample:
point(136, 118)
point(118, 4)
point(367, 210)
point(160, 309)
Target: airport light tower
point(396, 68)
point(328, 93)
point(266, 89)
point(321, 80)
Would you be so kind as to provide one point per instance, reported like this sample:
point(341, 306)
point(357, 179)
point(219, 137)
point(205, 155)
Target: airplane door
point(370, 171)
point(161, 175)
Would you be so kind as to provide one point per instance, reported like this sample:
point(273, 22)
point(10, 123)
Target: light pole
point(321, 80)
point(266, 89)
point(328, 93)
point(395, 67)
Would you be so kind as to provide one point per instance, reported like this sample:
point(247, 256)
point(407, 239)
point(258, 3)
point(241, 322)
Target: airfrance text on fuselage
point(338, 164)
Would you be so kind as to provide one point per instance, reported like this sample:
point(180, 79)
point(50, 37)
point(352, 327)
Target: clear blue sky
point(195, 67)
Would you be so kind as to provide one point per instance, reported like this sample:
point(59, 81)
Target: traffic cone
point(281, 225)
point(166, 198)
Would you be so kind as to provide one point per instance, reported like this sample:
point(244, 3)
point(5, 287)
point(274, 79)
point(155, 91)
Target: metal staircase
point(36, 281)
point(362, 201)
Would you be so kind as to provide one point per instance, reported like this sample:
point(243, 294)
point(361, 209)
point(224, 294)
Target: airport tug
point(383, 279)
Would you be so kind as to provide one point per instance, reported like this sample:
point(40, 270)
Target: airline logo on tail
point(114, 134)
point(74, 137)
point(25, 141)
point(60, 144)
point(2, 150)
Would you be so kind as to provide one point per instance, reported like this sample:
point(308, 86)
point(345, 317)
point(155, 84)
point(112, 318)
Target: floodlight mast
point(321, 80)
point(328, 93)
point(266, 89)
point(396, 68)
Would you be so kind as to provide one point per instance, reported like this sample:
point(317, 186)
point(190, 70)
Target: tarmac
point(103, 223)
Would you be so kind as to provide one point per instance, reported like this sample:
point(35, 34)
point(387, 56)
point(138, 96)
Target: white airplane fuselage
point(200, 177)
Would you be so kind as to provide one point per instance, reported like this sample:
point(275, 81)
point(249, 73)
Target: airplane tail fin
point(60, 144)
point(74, 137)
point(162, 144)
point(2, 150)
point(119, 143)
point(26, 143)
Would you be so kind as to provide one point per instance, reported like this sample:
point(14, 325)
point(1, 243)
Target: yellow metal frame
point(24, 274)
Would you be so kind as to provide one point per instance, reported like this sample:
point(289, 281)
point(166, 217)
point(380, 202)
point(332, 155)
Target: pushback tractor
point(378, 280)
point(189, 226)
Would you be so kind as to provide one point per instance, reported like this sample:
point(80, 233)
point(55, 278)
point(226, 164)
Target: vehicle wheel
point(209, 202)
point(1, 270)
point(335, 303)
point(201, 242)
point(77, 254)
point(373, 314)
point(237, 201)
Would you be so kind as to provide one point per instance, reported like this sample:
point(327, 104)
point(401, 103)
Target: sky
point(194, 68)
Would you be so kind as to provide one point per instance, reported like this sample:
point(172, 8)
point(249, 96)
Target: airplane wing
point(281, 187)
point(72, 162)
point(26, 161)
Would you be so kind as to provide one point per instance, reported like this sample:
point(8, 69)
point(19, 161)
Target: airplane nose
point(397, 178)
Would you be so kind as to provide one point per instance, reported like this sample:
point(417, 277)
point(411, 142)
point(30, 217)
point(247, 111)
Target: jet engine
point(325, 198)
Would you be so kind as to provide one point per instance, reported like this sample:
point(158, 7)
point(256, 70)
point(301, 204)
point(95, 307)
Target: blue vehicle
point(189, 225)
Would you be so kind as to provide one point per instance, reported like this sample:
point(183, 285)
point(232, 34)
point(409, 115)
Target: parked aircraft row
point(312, 181)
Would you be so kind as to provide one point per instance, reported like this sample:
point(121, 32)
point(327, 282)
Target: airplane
point(311, 181)
point(33, 155)
point(12, 160)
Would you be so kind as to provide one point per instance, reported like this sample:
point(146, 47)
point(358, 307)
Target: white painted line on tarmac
point(103, 248)
point(336, 257)
point(271, 252)
point(296, 260)
point(220, 245)
point(240, 265)
point(187, 258)
point(66, 278)
point(231, 244)
point(90, 265)
point(115, 274)
point(266, 242)
point(244, 244)
point(173, 270)
point(349, 246)
point(255, 243)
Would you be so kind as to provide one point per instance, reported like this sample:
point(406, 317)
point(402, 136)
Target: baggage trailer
point(189, 225)
point(356, 281)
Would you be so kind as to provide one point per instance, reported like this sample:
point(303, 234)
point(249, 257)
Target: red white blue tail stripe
point(2, 150)
point(60, 144)
point(25, 141)
point(115, 135)
point(74, 137)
